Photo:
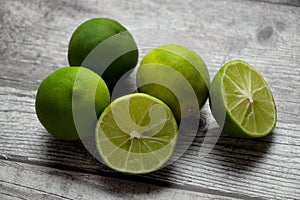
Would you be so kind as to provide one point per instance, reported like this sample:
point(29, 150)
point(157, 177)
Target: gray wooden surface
point(34, 36)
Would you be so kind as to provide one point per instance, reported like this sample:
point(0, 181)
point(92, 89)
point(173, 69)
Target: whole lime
point(177, 76)
point(104, 46)
point(67, 89)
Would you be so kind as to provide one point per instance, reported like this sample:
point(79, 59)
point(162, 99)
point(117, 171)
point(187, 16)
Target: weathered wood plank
point(269, 167)
point(24, 181)
point(33, 42)
point(282, 2)
point(31, 31)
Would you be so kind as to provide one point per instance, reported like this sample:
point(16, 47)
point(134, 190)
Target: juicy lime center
point(248, 98)
point(136, 134)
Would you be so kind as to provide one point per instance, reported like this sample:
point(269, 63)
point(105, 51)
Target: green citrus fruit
point(242, 101)
point(104, 46)
point(173, 67)
point(136, 134)
point(65, 88)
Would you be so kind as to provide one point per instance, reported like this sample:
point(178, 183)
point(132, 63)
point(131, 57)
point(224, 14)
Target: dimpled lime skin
point(54, 100)
point(92, 33)
point(222, 114)
point(183, 60)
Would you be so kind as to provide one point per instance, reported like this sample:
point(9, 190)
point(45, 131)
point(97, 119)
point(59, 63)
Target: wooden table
point(34, 38)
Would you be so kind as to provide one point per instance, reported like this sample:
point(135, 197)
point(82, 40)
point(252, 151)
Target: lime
point(54, 100)
point(136, 134)
point(242, 101)
point(163, 73)
point(104, 46)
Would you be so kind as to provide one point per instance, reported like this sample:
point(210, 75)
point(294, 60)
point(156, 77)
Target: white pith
point(135, 134)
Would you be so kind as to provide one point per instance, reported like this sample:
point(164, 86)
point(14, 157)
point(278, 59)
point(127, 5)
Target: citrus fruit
point(166, 69)
point(104, 46)
point(136, 134)
point(54, 101)
point(241, 101)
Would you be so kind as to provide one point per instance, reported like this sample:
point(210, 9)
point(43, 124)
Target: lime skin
point(164, 63)
point(117, 55)
point(57, 93)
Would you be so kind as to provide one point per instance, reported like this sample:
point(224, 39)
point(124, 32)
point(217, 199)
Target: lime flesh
point(244, 96)
point(136, 134)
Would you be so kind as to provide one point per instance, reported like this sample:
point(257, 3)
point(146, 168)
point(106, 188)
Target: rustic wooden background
point(34, 36)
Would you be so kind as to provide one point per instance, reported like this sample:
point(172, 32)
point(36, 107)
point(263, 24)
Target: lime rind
point(136, 155)
point(67, 92)
point(190, 57)
point(104, 46)
point(176, 75)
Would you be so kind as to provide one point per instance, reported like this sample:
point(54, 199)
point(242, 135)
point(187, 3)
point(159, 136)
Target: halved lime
point(136, 134)
point(242, 101)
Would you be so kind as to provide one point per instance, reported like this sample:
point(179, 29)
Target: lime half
point(136, 134)
point(242, 102)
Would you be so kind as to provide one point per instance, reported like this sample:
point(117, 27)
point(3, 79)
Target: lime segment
point(247, 99)
point(136, 134)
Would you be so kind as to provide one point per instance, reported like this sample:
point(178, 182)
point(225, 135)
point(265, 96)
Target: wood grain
point(282, 2)
point(33, 43)
point(267, 167)
point(23, 181)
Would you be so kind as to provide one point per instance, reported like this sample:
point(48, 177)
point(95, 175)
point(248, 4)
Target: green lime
point(242, 101)
point(136, 134)
point(171, 69)
point(65, 88)
point(109, 48)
